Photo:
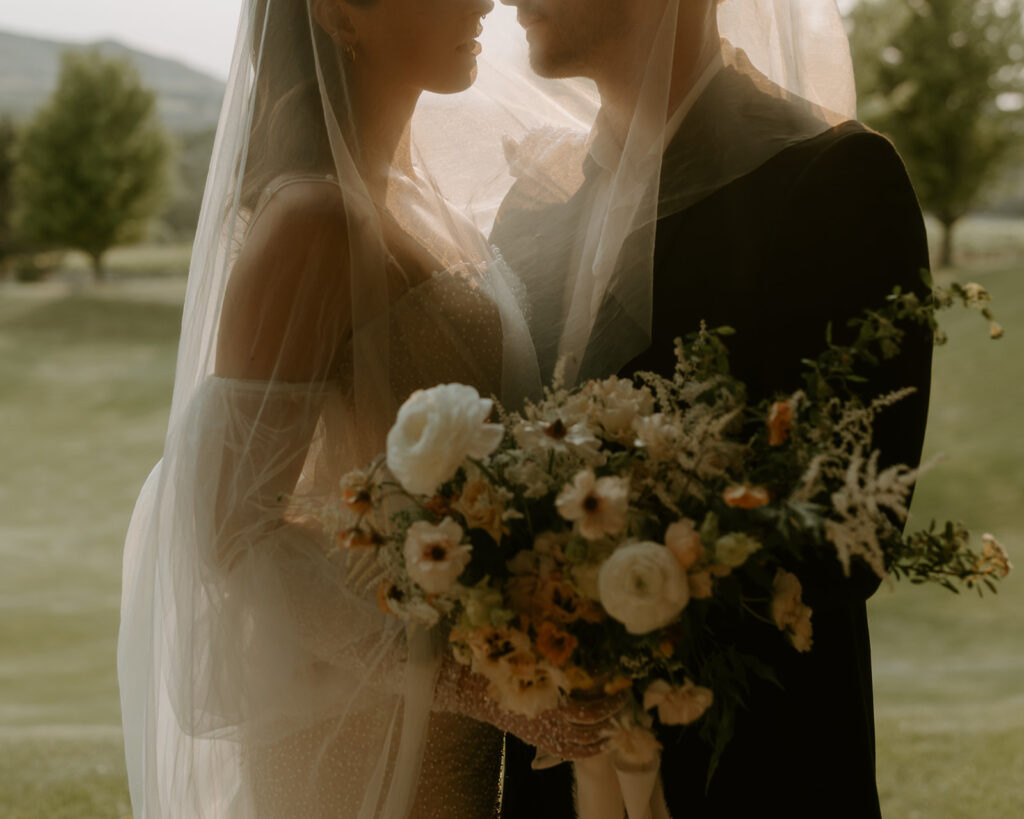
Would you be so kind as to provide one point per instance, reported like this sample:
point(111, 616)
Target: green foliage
point(188, 179)
point(944, 79)
point(7, 138)
point(92, 162)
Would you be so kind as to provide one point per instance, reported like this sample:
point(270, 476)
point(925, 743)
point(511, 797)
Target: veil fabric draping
point(343, 261)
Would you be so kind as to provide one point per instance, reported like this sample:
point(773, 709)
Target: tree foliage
point(92, 162)
point(945, 80)
point(7, 139)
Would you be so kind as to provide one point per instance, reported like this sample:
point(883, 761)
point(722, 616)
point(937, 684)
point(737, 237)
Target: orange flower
point(385, 594)
point(555, 645)
point(742, 496)
point(441, 505)
point(579, 680)
point(357, 538)
point(780, 419)
point(617, 684)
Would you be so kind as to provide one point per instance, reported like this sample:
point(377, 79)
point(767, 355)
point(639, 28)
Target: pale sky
point(200, 33)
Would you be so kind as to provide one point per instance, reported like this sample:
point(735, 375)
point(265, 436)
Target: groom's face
point(573, 38)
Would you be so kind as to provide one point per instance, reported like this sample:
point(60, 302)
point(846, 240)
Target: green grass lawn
point(949, 669)
point(85, 383)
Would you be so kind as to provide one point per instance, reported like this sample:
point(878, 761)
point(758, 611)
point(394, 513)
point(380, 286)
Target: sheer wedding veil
point(341, 261)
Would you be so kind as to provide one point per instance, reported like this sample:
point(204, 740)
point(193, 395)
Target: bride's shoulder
point(302, 203)
point(293, 263)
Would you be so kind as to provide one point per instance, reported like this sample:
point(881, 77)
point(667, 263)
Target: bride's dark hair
point(289, 134)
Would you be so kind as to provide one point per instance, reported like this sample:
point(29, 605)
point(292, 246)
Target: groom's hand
point(574, 730)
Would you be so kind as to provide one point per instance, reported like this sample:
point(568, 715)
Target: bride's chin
point(457, 80)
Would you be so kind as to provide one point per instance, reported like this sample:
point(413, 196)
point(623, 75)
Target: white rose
point(435, 431)
point(643, 586)
point(435, 554)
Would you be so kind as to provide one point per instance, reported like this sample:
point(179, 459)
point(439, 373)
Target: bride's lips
point(471, 46)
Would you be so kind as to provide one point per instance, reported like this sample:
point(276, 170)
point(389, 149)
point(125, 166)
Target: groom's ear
point(333, 17)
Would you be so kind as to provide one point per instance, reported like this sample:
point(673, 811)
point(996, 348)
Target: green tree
point(92, 163)
point(945, 80)
point(7, 139)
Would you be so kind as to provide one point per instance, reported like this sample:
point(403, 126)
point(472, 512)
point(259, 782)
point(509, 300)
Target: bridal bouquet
point(617, 536)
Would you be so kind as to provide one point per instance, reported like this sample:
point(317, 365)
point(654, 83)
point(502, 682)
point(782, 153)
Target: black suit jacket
point(815, 235)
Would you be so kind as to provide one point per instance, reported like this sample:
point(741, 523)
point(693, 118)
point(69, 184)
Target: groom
point(815, 234)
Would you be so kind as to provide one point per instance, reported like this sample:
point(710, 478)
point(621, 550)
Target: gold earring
point(350, 51)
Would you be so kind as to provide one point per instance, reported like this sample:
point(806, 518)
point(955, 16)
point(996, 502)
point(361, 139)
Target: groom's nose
point(510, 2)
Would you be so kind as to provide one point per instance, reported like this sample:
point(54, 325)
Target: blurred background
point(107, 118)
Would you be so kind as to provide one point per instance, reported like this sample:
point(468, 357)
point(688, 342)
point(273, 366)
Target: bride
point(330, 278)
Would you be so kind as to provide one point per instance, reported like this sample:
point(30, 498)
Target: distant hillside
point(187, 99)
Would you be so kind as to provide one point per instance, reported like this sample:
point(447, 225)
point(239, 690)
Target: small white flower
point(435, 555)
point(643, 586)
point(597, 506)
point(558, 435)
point(678, 705)
point(733, 549)
point(435, 431)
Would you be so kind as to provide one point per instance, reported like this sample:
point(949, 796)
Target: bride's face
point(428, 45)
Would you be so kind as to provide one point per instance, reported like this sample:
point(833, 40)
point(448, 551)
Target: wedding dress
point(302, 697)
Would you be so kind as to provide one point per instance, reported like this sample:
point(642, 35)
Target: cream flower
point(658, 435)
point(678, 705)
point(435, 555)
point(435, 431)
point(683, 539)
point(596, 505)
point(733, 549)
point(994, 557)
point(616, 402)
point(576, 437)
point(632, 746)
point(483, 507)
point(789, 612)
point(531, 688)
point(643, 587)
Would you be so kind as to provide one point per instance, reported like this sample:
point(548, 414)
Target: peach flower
point(742, 496)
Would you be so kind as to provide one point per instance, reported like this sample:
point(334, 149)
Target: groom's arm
point(854, 233)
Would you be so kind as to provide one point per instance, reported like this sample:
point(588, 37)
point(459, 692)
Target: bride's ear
point(334, 19)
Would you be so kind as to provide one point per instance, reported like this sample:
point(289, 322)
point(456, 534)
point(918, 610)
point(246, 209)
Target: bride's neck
point(381, 116)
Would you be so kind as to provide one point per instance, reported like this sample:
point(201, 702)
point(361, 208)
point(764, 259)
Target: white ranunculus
point(436, 430)
point(643, 586)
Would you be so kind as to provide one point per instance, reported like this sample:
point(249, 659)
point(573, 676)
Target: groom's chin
point(548, 65)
